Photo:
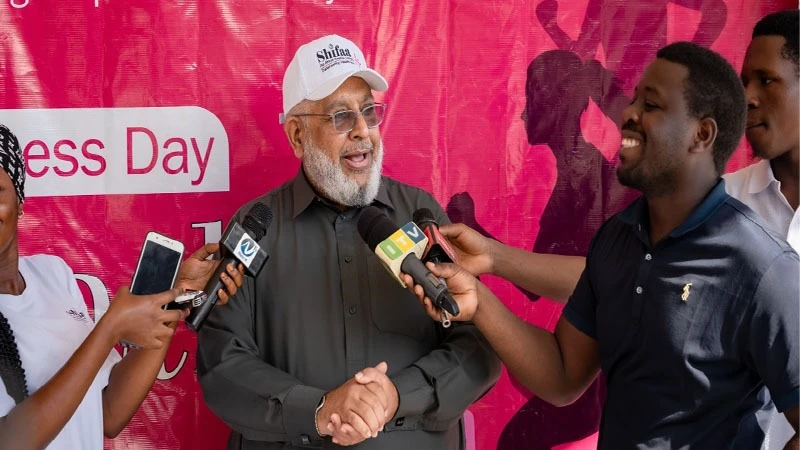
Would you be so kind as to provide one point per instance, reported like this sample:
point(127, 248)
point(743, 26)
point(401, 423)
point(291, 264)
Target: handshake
point(358, 409)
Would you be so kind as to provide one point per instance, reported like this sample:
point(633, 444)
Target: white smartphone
point(158, 264)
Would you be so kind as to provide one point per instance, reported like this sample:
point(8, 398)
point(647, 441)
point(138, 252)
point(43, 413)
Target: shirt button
point(352, 310)
point(639, 289)
point(348, 259)
point(648, 256)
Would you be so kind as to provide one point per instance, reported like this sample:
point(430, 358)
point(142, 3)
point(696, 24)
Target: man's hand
point(473, 250)
point(140, 320)
point(353, 412)
point(197, 269)
point(461, 284)
point(375, 379)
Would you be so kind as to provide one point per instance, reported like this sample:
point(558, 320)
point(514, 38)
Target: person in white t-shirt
point(64, 386)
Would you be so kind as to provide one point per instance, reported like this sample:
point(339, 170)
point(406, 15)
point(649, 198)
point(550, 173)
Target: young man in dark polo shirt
point(769, 187)
point(279, 363)
point(685, 302)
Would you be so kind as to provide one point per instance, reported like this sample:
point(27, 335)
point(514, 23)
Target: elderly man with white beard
point(324, 348)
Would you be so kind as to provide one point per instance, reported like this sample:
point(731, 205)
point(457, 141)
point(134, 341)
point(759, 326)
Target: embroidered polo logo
point(685, 295)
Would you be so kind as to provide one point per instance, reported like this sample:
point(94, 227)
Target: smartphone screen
point(158, 266)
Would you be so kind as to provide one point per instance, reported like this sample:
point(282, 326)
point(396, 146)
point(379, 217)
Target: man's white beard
point(329, 178)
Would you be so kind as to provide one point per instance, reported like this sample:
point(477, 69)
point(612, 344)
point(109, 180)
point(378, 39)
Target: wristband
point(316, 412)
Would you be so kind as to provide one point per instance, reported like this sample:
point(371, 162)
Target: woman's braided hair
point(11, 371)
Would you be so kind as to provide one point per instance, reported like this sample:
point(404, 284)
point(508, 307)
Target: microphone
point(439, 249)
point(239, 244)
point(399, 251)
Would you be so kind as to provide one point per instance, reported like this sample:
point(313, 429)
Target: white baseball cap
point(320, 67)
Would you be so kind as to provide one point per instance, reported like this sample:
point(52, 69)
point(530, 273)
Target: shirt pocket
point(706, 310)
point(393, 309)
point(708, 349)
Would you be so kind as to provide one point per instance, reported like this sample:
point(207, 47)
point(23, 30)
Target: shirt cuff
point(415, 394)
point(579, 322)
point(298, 414)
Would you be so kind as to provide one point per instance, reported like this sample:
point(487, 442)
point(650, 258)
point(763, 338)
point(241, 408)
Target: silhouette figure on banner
point(586, 193)
point(630, 33)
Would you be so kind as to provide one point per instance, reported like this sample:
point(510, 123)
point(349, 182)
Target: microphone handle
point(433, 286)
point(437, 256)
point(199, 314)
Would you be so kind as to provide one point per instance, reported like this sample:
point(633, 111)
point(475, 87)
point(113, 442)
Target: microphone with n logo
point(400, 250)
point(239, 244)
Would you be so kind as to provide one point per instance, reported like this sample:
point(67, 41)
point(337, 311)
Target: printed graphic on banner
point(510, 118)
point(96, 151)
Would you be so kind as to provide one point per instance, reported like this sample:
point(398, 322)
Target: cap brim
point(373, 78)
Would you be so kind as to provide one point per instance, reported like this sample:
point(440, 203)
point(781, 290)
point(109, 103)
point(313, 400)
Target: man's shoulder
point(745, 219)
point(406, 199)
point(621, 222)
point(738, 183)
point(395, 187)
point(748, 236)
point(275, 199)
point(741, 174)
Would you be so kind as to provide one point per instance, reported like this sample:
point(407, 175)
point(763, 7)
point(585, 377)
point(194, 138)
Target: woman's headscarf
point(12, 161)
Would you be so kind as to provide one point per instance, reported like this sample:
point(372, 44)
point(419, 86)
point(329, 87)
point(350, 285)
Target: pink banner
point(152, 115)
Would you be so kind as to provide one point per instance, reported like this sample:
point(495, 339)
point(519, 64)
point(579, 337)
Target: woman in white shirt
point(65, 386)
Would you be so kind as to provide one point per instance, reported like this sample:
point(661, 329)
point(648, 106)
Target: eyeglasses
point(345, 121)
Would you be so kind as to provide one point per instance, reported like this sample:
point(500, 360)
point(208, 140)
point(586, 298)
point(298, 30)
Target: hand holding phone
point(140, 321)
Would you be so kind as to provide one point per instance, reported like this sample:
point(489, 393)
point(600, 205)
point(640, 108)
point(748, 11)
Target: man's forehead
point(766, 52)
point(663, 77)
point(765, 42)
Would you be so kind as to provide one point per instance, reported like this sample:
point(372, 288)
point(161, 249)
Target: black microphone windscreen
point(374, 226)
point(424, 217)
point(257, 221)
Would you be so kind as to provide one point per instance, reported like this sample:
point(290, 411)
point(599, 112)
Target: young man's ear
point(705, 136)
point(295, 132)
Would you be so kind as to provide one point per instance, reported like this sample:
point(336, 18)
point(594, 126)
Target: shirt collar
point(304, 194)
point(636, 213)
point(762, 177)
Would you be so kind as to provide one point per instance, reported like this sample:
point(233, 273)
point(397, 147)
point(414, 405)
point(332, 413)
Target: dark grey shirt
point(690, 330)
point(322, 309)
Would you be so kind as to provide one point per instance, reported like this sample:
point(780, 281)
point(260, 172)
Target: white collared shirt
point(756, 187)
